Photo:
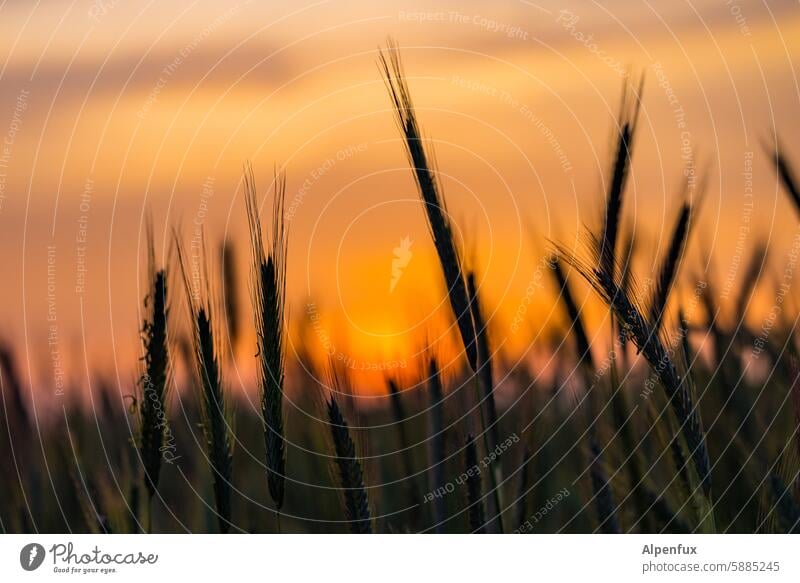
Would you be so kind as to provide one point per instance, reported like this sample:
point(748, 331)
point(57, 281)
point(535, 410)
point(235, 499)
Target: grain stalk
point(430, 192)
point(230, 288)
point(677, 388)
point(786, 174)
point(626, 131)
point(268, 292)
point(668, 268)
point(214, 408)
point(351, 476)
point(155, 378)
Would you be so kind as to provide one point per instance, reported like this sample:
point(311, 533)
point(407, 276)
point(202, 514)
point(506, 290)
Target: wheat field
point(670, 416)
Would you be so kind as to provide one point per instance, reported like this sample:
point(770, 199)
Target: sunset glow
point(110, 115)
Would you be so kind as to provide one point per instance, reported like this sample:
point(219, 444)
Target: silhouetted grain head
point(627, 309)
point(268, 292)
point(155, 378)
point(708, 302)
point(430, 193)
point(627, 255)
point(668, 267)
point(477, 516)
point(755, 266)
point(351, 475)
point(626, 131)
point(652, 347)
point(216, 419)
point(683, 332)
point(786, 174)
point(214, 407)
point(230, 290)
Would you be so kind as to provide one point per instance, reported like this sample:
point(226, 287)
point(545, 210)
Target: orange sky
point(108, 108)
